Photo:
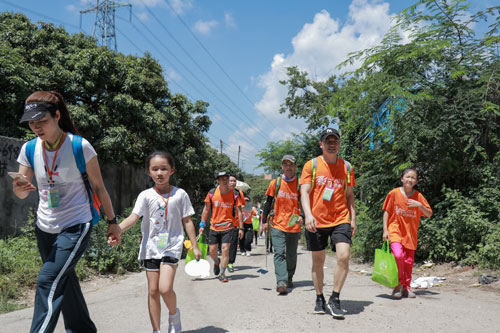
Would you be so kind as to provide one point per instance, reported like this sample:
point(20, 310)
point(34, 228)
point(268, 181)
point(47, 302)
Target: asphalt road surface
point(249, 303)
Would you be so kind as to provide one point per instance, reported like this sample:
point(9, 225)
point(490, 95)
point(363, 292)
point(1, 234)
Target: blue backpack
point(95, 203)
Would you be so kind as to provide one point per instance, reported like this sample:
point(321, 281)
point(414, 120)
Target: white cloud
point(180, 6)
point(205, 27)
point(318, 49)
point(143, 17)
point(229, 19)
point(71, 8)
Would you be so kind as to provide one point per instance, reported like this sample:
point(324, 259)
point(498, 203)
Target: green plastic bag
point(385, 270)
point(255, 223)
point(202, 246)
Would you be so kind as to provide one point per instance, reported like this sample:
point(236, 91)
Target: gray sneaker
point(281, 288)
point(397, 292)
point(320, 306)
point(334, 306)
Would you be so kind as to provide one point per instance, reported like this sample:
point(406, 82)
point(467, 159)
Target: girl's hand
point(385, 235)
point(200, 231)
point(241, 234)
point(414, 203)
point(197, 253)
point(301, 220)
point(22, 185)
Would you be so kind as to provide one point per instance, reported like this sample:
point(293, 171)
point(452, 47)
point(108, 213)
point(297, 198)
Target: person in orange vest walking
point(328, 203)
point(233, 249)
point(224, 204)
point(286, 223)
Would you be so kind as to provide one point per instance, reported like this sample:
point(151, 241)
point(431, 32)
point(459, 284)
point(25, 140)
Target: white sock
point(156, 331)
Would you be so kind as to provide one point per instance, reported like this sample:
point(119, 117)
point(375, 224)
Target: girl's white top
point(151, 207)
point(74, 206)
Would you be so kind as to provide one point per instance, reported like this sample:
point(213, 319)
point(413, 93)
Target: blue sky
point(249, 44)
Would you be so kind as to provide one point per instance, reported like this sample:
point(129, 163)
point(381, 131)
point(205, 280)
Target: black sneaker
point(290, 283)
point(335, 309)
point(320, 307)
point(216, 267)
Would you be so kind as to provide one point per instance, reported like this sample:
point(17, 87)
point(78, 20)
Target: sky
point(232, 54)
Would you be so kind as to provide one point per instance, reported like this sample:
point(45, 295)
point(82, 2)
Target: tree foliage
point(429, 100)
point(120, 103)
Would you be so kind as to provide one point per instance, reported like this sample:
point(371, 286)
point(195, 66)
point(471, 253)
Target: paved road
point(249, 303)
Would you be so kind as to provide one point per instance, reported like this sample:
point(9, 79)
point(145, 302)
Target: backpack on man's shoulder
point(347, 167)
point(76, 142)
point(236, 194)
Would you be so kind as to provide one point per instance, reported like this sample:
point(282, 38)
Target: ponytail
point(65, 122)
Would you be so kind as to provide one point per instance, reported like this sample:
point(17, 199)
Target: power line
point(218, 65)
point(265, 136)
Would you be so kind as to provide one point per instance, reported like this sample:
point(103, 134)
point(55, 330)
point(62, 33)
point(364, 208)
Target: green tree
point(441, 111)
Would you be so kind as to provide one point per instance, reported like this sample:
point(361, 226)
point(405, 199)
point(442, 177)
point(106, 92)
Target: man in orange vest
point(328, 204)
point(286, 223)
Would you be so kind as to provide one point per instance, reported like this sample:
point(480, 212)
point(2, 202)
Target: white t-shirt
point(151, 207)
point(74, 207)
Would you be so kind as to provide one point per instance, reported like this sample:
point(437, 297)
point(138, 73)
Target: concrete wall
point(123, 182)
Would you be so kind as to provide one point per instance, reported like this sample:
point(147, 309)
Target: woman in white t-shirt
point(64, 217)
point(164, 209)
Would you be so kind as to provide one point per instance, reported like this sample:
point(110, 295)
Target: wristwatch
point(113, 221)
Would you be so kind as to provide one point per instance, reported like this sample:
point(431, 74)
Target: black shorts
point(154, 264)
point(318, 241)
point(220, 237)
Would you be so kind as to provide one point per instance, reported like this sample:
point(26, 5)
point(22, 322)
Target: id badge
point(162, 240)
point(293, 220)
point(53, 198)
point(328, 193)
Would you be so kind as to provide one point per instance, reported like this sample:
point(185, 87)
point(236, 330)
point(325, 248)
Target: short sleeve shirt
point(151, 207)
point(74, 207)
point(285, 205)
point(222, 209)
point(328, 213)
point(404, 221)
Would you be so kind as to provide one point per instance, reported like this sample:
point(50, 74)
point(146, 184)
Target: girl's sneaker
point(408, 292)
point(230, 268)
point(216, 267)
point(223, 278)
point(174, 322)
point(397, 292)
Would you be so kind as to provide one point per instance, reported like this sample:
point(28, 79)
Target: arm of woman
point(385, 219)
point(21, 188)
point(95, 177)
point(189, 226)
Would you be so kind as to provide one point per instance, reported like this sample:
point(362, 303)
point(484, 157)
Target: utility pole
point(105, 21)
point(239, 150)
point(221, 154)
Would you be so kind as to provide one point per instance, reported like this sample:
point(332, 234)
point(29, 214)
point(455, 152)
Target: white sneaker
point(174, 322)
point(248, 254)
point(243, 253)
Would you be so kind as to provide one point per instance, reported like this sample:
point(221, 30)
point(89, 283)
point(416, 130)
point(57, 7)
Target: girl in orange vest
point(403, 208)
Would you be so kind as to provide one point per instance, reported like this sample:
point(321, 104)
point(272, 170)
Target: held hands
point(114, 234)
point(200, 231)
point(301, 220)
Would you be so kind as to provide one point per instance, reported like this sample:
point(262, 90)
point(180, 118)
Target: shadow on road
point(242, 268)
point(421, 293)
point(208, 329)
point(241, 276)
point(355, 307)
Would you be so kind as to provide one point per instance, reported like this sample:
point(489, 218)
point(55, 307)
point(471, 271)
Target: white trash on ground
point(425, 282)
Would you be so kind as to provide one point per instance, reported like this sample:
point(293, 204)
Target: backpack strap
point(77, 144)
point(348, 180)
point(30, 151)
point(314, 167)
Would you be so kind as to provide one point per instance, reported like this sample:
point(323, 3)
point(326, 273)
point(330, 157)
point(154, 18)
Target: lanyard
point(330, 171)
point(165, 201)
point(50, 171)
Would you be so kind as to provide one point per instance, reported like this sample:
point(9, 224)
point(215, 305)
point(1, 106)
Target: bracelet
point(202, 224)
point(113, 220)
